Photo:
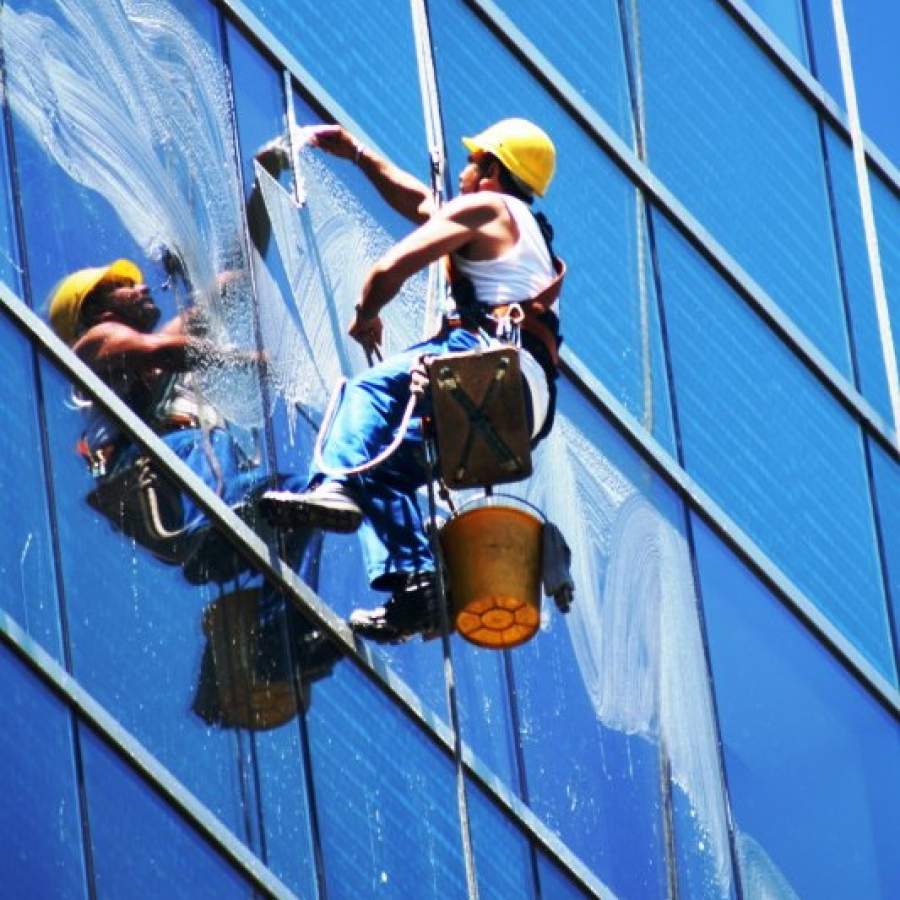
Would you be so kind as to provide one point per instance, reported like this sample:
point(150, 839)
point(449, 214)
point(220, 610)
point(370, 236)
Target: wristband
point(363, 314)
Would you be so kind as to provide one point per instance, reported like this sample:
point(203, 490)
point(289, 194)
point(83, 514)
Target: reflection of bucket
point(492, 550)
point(248, 663)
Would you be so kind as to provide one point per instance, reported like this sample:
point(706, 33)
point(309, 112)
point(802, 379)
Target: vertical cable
point(636, 73)
point(868, 213)
point(434, 133)
point(450, 676)
point(437, 147)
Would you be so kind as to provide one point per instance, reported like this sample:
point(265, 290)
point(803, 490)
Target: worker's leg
point(366, 422)
point(393, 535)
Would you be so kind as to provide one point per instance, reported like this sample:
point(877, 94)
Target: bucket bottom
point(498, 622)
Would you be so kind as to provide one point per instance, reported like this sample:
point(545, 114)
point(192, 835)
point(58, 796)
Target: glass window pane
point(740, 148)
point(40, 823)
point(10, 272)
point(857, 274)
point(137, 839)
point(786, 21)
point(557, 885)
point(182, 641)
point(26, 563)
point(609, 308)
point(773, 448)
point(385, 796)
point(813, 762)
point(886, 473)
point(886, 203)
point(125, 152)
point(366, 62)
point(583, 40)
point(504, 863)
point(871, 31)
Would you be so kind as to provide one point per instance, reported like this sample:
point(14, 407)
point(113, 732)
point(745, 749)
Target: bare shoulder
point(475, 210)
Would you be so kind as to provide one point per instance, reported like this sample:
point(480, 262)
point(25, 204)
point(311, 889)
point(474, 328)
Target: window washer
point(500, 258)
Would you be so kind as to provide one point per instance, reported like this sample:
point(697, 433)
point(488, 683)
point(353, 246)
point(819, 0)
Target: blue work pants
point(371, 410)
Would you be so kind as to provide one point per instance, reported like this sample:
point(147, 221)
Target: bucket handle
point(472, 500)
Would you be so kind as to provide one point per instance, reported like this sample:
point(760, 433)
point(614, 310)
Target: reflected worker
point(500, 255)
point(109, 318)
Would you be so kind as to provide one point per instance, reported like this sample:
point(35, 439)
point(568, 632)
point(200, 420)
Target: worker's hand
point(419, 375)
point(367, 331)
point(274, 156)
point(335, 140)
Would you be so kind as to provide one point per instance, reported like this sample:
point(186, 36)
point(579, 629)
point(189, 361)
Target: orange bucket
point(492, 551)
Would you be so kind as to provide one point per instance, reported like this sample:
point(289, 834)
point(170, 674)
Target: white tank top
point(519, 274)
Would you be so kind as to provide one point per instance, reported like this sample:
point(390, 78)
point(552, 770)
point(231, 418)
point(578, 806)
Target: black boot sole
point(284, 513)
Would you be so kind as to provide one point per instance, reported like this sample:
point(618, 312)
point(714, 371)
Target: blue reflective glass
point(385, 797)
point(40, 824)
point(9, 253)
point(130, 169)
point(812, 760)
point(29, 594)
point(871, 31)
point(138, 839)
point(886, 205)
point(785, 19)
point(740, 148)
point(857, 274)
point(366, 63)
point(188, 648)
point(486, 709)
point(609, 314)
point(503, 860)
point(886, 473)
point(583, 41)
point(703, 869)
point(557, 885)
point(765, 439)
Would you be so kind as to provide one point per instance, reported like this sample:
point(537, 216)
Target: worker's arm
point(476, 223)
point(111, 346)
point(403, 192)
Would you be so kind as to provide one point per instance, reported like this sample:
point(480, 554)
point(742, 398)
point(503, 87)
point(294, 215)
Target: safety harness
point(531, 324)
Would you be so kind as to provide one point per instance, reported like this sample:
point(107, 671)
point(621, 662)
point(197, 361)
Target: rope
point(640, 215)
point(450, 677)
point(434, 134)
point(437, 288)
point(857, 142)
point(327, 422)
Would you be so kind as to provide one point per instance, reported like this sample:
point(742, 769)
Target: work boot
point(412, 609)
point(328, 506)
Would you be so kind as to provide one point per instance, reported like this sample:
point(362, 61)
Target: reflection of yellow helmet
point(522, 147)
point(68, 296)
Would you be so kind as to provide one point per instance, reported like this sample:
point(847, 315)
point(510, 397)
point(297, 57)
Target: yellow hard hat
point(522, 147)
point(68, 296)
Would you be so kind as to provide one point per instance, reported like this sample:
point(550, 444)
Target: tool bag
point(143, 505)
point(479, 417)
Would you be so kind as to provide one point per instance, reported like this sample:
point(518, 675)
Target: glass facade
point(186, 712)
